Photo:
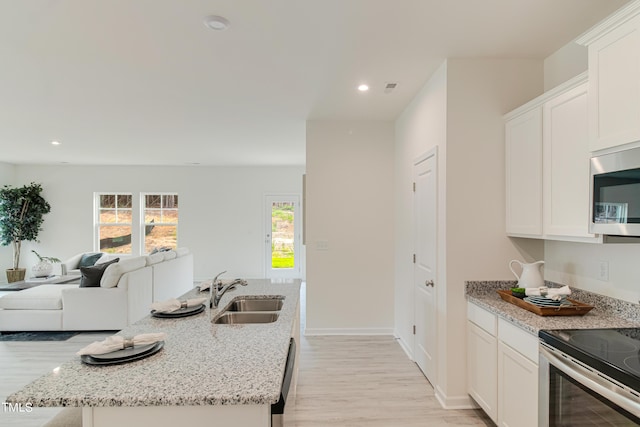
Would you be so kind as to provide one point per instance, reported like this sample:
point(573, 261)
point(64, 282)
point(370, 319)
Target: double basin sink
point(251, 310)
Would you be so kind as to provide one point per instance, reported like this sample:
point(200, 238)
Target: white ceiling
point(144, 82)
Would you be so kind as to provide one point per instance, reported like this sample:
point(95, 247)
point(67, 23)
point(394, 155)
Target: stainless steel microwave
point(615, 194)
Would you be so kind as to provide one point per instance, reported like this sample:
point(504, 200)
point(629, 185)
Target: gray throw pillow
point(91, 275)
point(87, 260)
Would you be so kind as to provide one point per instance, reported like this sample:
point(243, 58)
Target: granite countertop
point(201, 363)
point(607, 312)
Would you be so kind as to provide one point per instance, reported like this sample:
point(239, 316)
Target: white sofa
point(136, 282)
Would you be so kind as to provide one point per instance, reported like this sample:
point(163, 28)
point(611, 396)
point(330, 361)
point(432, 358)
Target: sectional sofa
point(124, 296)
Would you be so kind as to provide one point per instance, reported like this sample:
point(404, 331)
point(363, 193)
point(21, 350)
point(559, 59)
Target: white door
point(282, 236)
point(425, 209)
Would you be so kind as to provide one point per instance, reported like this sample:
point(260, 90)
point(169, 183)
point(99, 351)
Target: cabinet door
point(614, 88)
point(523, 136)
point(566, 165)
point(482, 366)
point(518, 389)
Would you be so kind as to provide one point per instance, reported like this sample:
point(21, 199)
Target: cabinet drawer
point(483, 318)
point(519, 340)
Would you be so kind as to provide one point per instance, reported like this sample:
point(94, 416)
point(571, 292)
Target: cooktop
point(614, 352)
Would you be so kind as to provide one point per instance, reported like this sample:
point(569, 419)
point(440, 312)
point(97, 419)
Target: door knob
point(429, 283)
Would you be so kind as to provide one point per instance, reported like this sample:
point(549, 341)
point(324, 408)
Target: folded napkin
point(173, 304)
point(203, 286)
point(117, 342)
point(555, 294)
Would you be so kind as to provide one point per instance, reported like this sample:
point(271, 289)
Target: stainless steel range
point(590, 377)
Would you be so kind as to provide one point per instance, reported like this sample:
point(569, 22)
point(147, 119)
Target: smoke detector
point(215, 22)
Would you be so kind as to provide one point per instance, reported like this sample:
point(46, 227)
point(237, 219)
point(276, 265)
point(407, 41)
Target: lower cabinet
point(502, 369)
point(517, 389)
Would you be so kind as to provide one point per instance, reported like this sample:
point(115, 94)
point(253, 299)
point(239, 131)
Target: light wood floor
point(368, 381)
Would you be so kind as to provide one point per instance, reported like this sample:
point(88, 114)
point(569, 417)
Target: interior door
point(282, 236)
point(425, 210)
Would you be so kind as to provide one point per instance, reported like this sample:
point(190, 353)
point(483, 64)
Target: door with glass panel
point(282, 236)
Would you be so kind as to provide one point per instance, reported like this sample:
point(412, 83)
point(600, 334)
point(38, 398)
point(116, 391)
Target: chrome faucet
point(218, 290)
point(214, 284)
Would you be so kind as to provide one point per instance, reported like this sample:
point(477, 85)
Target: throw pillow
point(91, 275)
point(87, 260)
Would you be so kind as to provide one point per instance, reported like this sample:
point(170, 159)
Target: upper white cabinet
point(547, 169)
point(566, 165)
point(523, 134)
point(614, 79)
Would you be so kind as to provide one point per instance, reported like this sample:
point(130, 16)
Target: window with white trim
point(114, 220)
point(160, 214)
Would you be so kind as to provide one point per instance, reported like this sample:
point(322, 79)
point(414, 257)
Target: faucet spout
point(219, 292)
point(214, 284)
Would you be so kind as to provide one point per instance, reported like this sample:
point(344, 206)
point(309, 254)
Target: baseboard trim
point(405, 347)
point(455, 402)
point(309, 332)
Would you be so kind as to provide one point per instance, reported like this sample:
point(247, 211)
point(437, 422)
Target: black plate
point(91, 360)
point(124, 353)
point(182, 312)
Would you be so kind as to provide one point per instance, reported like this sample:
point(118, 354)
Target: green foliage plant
point(21, 216)
point(46, 258)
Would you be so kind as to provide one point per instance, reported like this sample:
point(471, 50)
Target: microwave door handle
point(591, 381)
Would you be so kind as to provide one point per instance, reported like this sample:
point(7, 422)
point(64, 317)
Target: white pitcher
point(531, 276)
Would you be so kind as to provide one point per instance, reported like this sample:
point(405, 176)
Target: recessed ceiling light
point(55, 143)
point(215, 22)
point(363, 88)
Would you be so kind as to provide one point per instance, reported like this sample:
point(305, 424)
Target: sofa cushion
point(91, 276)
point(169, 255)
point(112, 275)
point(155, 258)
point(43, 297)
point(87, 260)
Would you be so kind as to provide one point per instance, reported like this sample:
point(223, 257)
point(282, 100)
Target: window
point(160, 221)
point(114, 223)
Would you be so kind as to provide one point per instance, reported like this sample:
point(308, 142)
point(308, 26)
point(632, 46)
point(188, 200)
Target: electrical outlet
point(604, 271)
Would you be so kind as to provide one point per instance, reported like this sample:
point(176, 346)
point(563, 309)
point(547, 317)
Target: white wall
point(221, 209)
point(349, 227)
point(564, 64)
point(460, 110)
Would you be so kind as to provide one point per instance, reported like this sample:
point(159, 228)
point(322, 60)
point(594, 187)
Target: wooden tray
point(578, 308)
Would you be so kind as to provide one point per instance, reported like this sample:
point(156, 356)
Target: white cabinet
point(566, 165)
point(614, 81)
point(523, 136)
point(547, 155)
point(517, 376)
point(502, 369)
point(482, 360)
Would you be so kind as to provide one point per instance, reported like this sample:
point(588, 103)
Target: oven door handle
point(592, 381)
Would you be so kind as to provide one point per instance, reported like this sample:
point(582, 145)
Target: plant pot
point(42, 269)
point(15, 274)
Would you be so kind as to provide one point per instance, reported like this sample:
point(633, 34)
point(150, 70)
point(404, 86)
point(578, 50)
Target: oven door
point(572, 394)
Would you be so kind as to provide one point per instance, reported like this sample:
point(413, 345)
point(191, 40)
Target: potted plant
point(44, 267)
point(21, 216)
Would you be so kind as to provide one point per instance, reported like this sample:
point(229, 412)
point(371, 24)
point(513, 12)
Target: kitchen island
point(206, 374)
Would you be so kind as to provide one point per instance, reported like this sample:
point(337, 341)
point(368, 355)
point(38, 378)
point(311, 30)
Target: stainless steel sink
point(262, 304)
point(235, 318)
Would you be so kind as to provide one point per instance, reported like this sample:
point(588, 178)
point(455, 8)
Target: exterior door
point(425, 210)
point(282, 236)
